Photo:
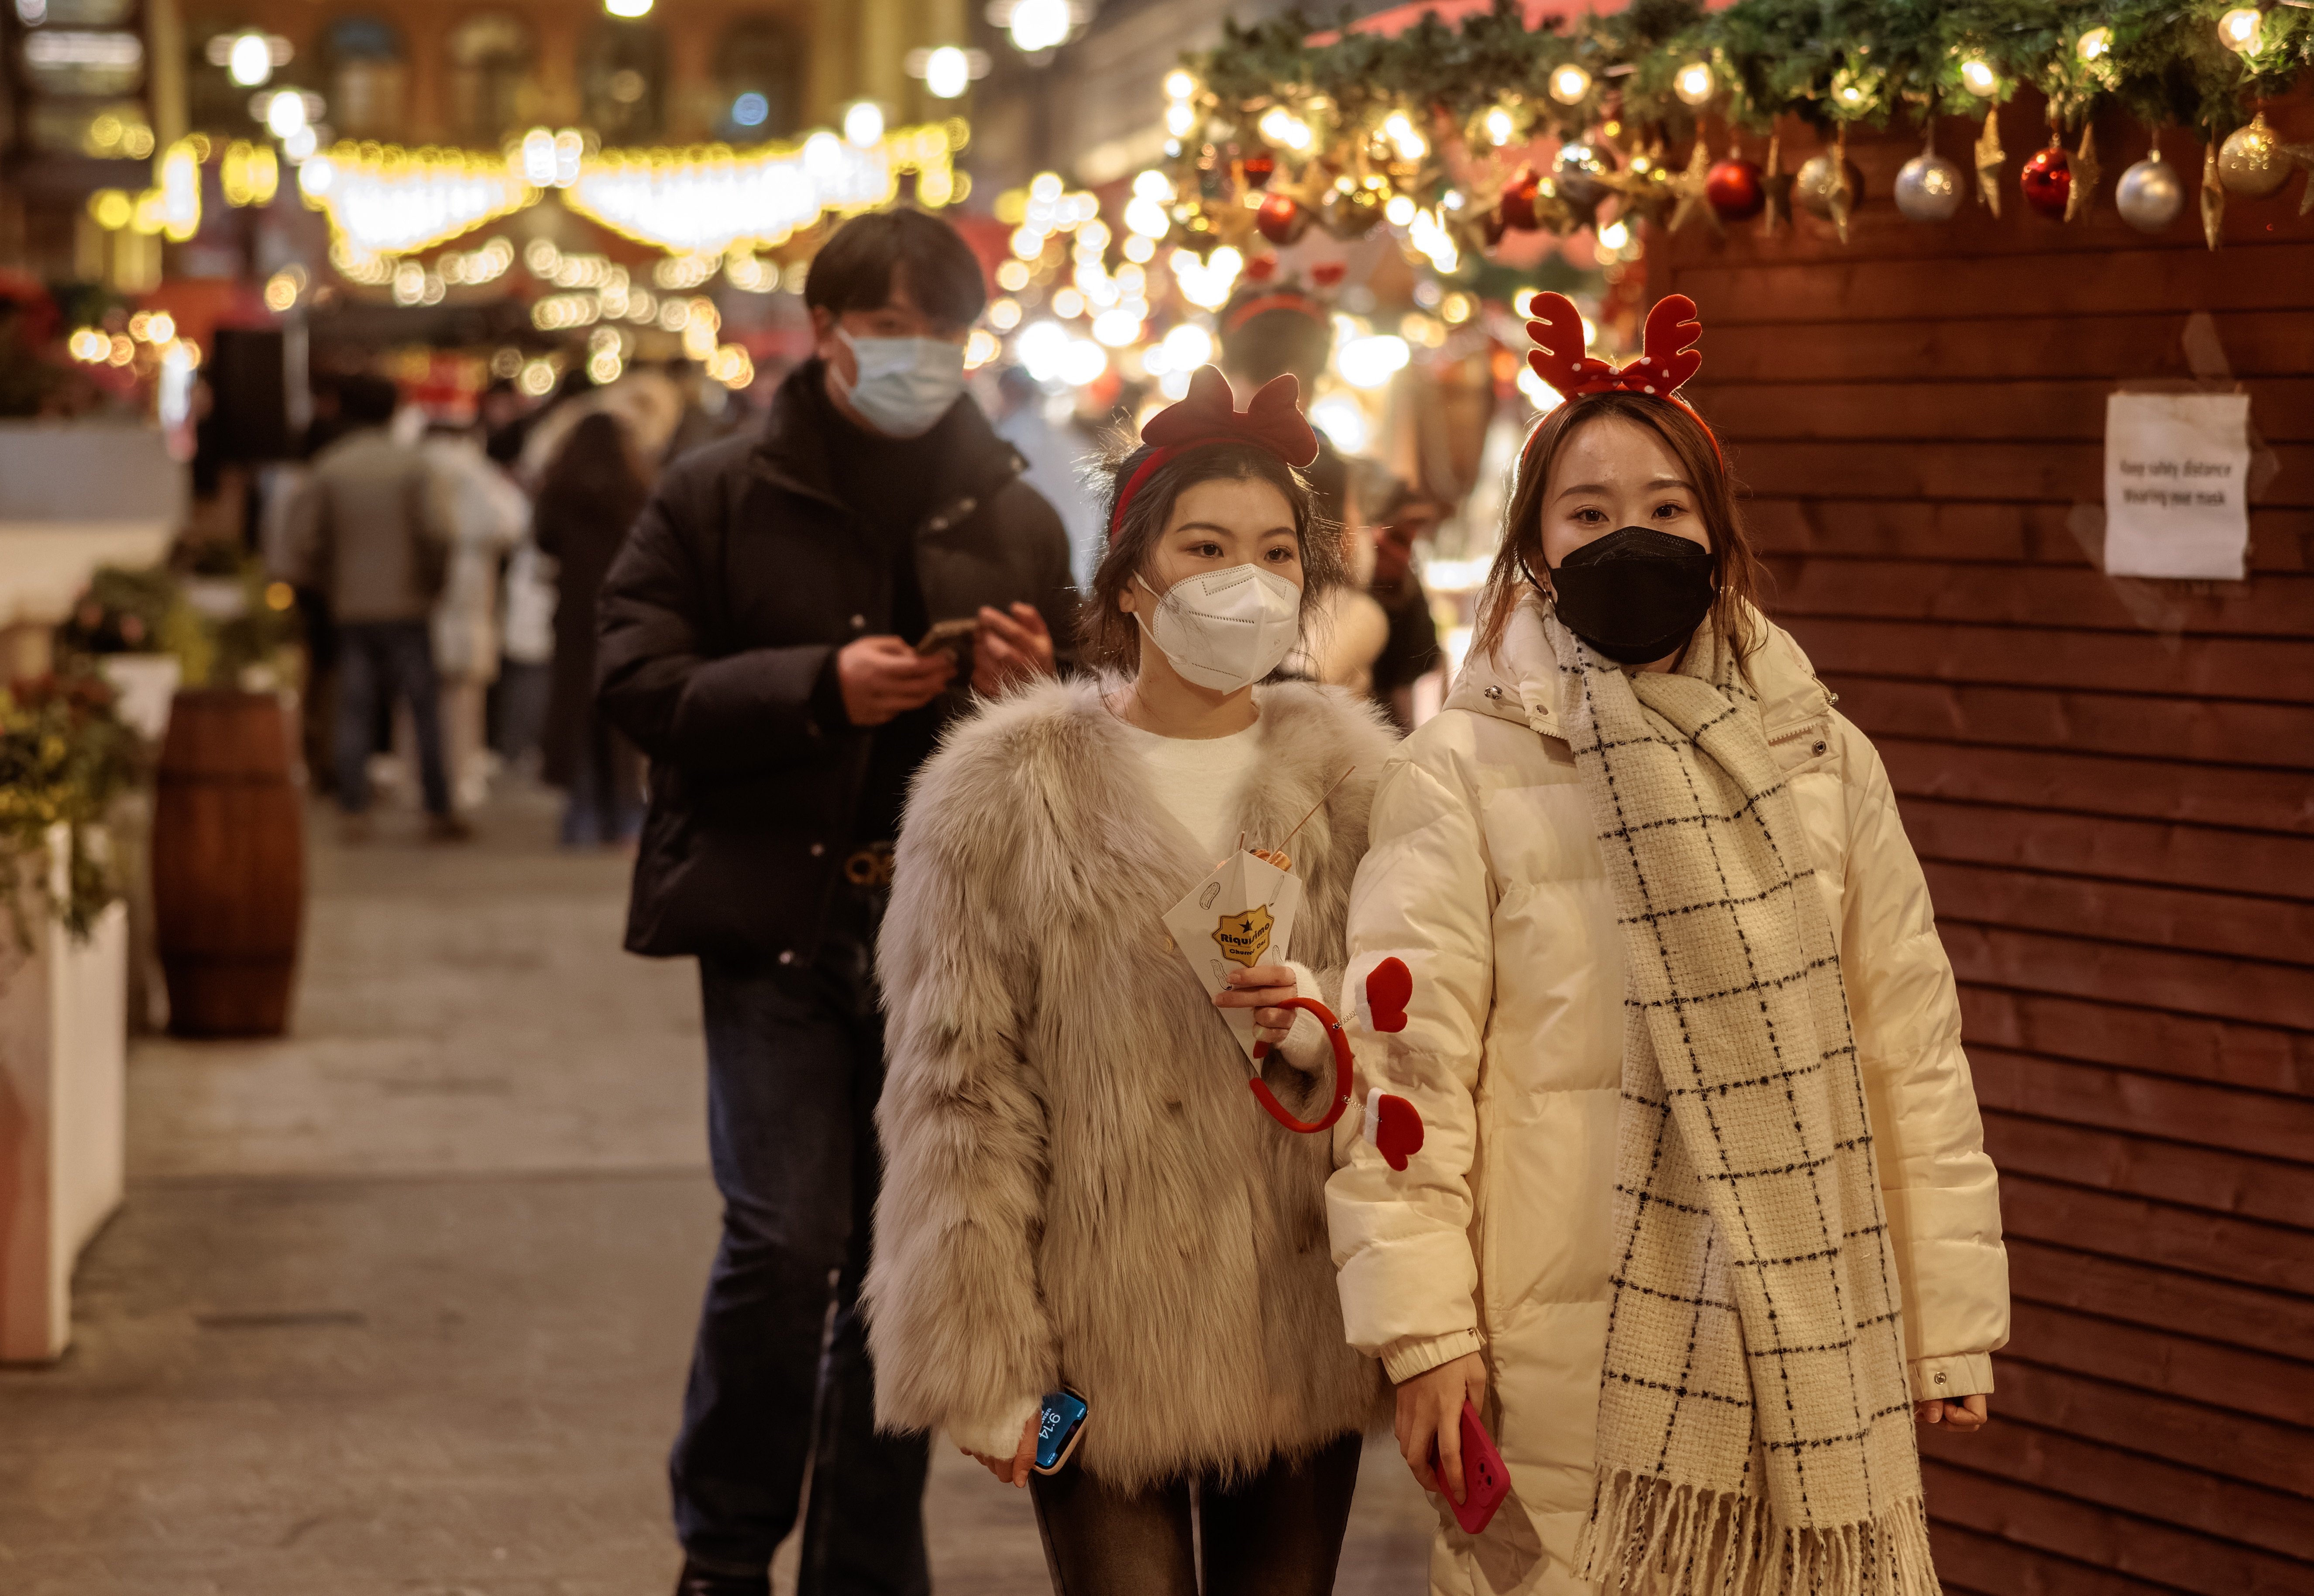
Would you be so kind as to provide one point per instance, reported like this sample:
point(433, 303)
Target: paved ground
point(399, 1306)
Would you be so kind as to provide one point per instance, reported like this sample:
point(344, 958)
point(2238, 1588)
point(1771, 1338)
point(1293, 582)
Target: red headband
point(1283, 299)
point(1209, 415)
point(1668, 362)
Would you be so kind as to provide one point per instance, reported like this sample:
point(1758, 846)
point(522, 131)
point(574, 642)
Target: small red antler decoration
point(1209, 415)
point(1668, 362)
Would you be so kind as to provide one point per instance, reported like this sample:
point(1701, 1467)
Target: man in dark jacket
point(759, 643)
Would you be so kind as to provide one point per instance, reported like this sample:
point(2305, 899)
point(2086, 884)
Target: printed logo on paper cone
point(1244, 937)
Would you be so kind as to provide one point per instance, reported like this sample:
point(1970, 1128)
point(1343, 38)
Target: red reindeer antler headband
point(1669, 361)
point(1209, 415)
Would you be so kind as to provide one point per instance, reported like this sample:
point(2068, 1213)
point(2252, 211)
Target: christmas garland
point(1280, 127)
point(1827, 61)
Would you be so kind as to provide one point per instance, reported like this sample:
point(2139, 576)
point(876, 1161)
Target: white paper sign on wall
point(2176, 489)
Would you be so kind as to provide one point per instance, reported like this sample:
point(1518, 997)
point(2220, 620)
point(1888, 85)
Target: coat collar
point(967, 461)
point(1519, 680)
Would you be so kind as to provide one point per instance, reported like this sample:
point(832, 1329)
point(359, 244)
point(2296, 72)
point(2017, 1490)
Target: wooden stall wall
point(2111, 785)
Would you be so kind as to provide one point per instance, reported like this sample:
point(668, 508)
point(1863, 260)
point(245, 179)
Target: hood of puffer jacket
point(1519, 680)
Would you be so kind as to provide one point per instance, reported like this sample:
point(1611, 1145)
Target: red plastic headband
point(1669, 359)
point(1209, 415)
point(1284, 299)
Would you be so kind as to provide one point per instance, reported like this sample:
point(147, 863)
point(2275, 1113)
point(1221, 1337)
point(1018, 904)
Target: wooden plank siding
point(2110, 784)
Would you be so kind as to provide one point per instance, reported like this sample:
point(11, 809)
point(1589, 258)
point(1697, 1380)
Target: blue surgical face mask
point(906, 384)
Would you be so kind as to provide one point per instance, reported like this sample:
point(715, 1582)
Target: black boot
point(708, 1582)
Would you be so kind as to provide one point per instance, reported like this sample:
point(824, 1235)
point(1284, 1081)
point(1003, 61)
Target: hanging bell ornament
point(1281, 219)
point(2252, 161)
point(1830, 186)
point(1735, 188)
point(1927, 185)
point(2213, 198)
point(2149, 194)
point(1775, 188)
point(1579, 172)
point(1990, 158)
point(2086, 173)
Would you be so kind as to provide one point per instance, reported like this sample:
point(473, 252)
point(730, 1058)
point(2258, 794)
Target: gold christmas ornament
point(1689, 186)
point(1776, 185)
point(2213, 198)
point(2252, 161)
point(1990, 158)
point(2086, 172)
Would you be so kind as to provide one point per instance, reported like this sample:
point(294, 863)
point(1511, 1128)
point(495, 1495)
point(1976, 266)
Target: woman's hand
point(1262, 988)
point(1430, 1418)
point(1964, 1415)
point(1012, 1471)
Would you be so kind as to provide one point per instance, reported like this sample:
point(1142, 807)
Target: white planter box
point(63, 1108)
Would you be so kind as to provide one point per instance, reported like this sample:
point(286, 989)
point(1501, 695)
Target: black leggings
point(1276, 1534)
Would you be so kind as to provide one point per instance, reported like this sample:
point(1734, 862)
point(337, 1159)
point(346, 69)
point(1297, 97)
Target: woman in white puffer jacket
point(1516, 870)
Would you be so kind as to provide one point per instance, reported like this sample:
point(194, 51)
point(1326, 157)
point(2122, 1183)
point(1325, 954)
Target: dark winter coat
point(740, 581)
point(587, 501)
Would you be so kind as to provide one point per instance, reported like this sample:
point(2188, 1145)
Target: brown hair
point(1519, 564)
point(1109, 639)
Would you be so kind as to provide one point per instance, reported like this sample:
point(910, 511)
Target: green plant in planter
point(138, 612)
point(64, 757)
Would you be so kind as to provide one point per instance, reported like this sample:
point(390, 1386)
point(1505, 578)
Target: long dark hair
point(1107, 637)
point(1519, 564)
point(593, 476)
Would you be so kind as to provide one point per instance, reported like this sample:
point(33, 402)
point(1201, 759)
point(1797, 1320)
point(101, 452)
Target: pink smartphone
point(1485, 1481)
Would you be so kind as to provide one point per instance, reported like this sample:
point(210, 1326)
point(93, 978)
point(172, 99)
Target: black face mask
point(1635, 594)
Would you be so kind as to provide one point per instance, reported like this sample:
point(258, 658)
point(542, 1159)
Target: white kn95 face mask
point(906, 384)
point(1227, 629)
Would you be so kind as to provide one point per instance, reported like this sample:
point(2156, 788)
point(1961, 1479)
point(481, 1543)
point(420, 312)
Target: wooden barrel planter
point(228, 864)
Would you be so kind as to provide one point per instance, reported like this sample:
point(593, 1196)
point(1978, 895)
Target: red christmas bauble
point(1258, 164)
point(1517, 209)
point(2047, 180)
point(1281, 219)
point(1736, 190)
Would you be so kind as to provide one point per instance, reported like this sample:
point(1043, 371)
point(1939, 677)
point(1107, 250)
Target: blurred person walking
point(487, 515)
point(1271, 330)
point(588, 496)
point(760, 636)
point(1410, 650)
point(369, 531)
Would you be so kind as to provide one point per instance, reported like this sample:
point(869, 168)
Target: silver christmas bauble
point(1929, 189)
point(2149, 194)
point(1578, 171)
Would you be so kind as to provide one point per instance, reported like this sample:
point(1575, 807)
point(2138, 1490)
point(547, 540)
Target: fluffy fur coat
point(1079, 1189)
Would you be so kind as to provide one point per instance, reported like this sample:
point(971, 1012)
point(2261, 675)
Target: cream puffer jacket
point(1484, 875)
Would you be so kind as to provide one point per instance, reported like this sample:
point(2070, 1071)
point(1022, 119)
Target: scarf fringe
point(1651, 1537)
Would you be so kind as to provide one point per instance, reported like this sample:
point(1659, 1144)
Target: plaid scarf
point(1755, 1430)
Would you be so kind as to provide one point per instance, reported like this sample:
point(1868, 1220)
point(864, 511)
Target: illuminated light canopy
point(181, 191)
point(1694, 83)
point(1568, 83)
point(397, 201)
point(249, 62)
point(863, 124)
point(1035, 25)
point(703, 201)
point(1370, 361)
point(628, 9)
point(949, 71)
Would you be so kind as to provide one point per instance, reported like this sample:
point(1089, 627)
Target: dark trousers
point(379, 661)
point(1278, 1534)
point(780, 1391)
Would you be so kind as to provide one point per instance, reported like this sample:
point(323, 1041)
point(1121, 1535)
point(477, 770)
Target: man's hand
point(1964, 1415)
point(1012, 1471)
point(1009, 649)
point(1430, 1418)
point(882, 677)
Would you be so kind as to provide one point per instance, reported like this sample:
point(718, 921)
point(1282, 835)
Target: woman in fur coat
point(1080, 1191)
